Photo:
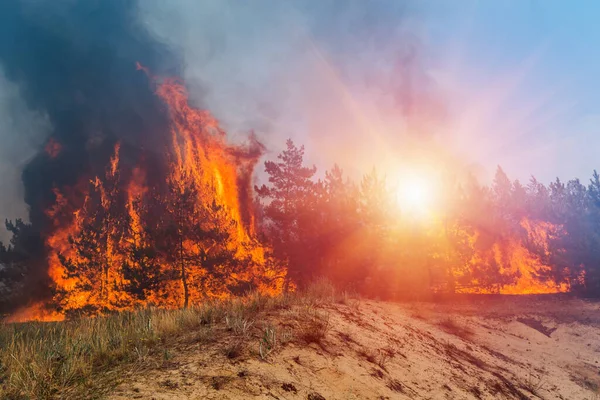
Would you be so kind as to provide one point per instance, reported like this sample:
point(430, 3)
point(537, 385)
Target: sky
point(533, 64)
point(511, 83)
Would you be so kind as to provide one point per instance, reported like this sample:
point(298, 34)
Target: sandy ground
point(478, 348)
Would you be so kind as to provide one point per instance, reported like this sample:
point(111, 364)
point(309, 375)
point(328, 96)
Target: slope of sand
point(479, 348)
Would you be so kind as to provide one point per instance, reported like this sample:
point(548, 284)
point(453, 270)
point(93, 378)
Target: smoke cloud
point(74, 61)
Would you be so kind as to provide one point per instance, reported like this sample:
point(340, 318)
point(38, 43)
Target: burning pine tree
point(126, 239)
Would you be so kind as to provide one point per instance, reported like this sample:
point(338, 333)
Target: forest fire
point(315, 200)
point(521, 271)
point(178, 229)
point(529, 269)
point(168, 234)
point(127, 239)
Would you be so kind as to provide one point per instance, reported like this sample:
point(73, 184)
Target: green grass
point(71, 360)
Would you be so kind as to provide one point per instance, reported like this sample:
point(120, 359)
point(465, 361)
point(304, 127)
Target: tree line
point(168, 248)
point(482, 238)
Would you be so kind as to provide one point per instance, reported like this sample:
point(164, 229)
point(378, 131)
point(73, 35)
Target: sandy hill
point(475, 348)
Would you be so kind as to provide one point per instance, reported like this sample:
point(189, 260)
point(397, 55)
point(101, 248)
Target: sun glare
point(415, 193)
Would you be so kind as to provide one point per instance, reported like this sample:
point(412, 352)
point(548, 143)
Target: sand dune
point(475, 348)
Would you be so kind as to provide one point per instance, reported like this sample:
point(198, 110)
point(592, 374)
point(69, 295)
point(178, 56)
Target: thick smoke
point(75, 62)
point(72, 91)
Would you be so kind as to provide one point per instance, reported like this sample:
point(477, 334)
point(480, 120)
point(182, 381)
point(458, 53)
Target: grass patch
point(70, 360)
point(314, 326)
point(45, 360)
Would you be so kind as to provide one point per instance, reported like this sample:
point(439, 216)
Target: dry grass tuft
point(395, 385)
point(368, 355)
point(268, 342)
point(234, 349)
point(534, 384)
point(314, 326)
point(238, 324)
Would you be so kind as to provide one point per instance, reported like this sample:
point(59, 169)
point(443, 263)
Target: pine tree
point(196, 239)
point(17, 262)
point(592, 265)
point(142, 265)
point(290, 210)
point(340, 230)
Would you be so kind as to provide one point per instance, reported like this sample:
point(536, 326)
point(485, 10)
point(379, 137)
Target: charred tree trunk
point(184, 284)
point(102, 282)
point(104, 275)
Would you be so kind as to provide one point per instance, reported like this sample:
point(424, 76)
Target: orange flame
point(36, 312)
point(200, 156)
point(518, 259)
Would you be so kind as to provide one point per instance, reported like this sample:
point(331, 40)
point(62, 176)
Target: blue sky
point(549, 52)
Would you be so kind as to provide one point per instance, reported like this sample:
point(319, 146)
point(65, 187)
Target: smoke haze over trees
point(504, 238)
point(532, 237)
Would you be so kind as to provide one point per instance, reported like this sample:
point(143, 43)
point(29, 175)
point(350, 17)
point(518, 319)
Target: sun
point(415, 193)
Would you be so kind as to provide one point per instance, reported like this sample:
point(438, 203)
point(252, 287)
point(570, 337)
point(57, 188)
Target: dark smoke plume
point(75, 61)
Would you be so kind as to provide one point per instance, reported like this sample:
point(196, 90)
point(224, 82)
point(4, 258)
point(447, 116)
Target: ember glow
point(52, 148)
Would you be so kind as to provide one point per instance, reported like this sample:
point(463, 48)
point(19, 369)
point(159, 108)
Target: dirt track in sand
point(506, 347)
